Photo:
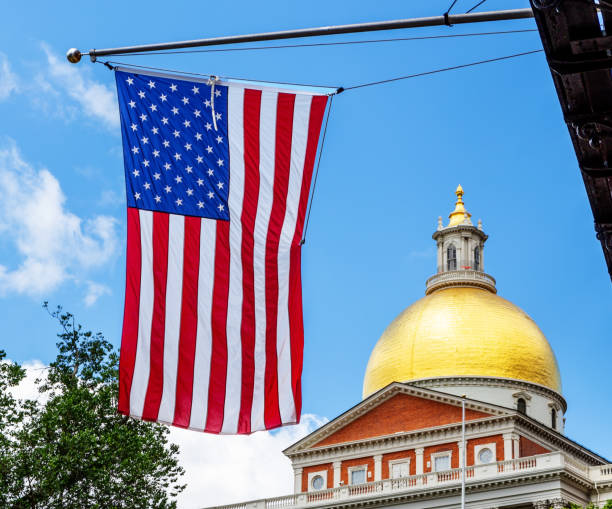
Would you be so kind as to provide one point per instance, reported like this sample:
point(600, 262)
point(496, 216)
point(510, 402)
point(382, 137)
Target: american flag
point(217, 179)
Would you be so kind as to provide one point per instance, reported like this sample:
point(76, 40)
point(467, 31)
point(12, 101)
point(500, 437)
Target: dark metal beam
point(74, 55)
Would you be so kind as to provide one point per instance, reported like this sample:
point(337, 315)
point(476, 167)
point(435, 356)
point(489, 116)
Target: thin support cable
point(314, 184)
point(476, 6)
point(454, 67)
point(337, 43)
point(185, 73)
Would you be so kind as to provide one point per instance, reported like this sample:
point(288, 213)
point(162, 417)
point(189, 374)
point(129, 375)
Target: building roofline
point(394, 388)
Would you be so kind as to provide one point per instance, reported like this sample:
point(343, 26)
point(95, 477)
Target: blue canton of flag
point(175, 145)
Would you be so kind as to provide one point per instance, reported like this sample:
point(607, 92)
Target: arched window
point(451, 257)
point(521, 406)
point(553, 418)
point(477, 258)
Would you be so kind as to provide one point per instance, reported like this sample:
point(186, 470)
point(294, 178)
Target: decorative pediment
point(397, 408)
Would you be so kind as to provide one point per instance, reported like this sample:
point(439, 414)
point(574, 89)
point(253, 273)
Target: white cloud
point(94, 292)
point(51, 243)
point(220, 469)
point(8, 79)
point(95, 99)
point(27, 389)
point(223, 469)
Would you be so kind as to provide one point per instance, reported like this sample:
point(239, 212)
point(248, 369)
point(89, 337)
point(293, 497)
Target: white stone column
point(419, 460)
point(337, 475)
point(507, 446)
point(297, 484)
point(440, 258)
point(516, 445)
point(378, 467)
point(460, 448)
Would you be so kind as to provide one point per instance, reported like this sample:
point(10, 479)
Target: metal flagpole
point(74, 55)
point(463, 452)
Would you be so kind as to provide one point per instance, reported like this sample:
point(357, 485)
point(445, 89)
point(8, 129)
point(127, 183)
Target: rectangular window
point(441, 463)
point(399, 470)
point(358, 476)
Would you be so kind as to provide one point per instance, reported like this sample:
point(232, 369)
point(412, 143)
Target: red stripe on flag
point(129, 339)
point(296, 320)
point(218, 362)
point(282, 166)
point(189, 322)
point(158, 325)
point(252, 111)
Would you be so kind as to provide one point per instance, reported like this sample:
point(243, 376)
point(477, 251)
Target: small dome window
point(553, 418)
point(521, 406)
point(477, 258)
point(451, 257)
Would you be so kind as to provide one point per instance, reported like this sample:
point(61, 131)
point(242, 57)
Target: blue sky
point(393, 157)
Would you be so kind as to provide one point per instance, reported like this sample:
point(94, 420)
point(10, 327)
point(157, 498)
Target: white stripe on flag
point(142, 364)
point(233, 389)
point(301, 115)
point(201, 366)
point(267, 148)
point(174, 298)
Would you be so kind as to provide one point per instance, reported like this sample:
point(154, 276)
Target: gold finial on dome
point(459, 215)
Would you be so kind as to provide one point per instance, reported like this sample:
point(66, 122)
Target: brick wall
point(400, 413)
point(529, 448)
point(386, 471)
point(498, 440)
point(369, 461)
point(318, 468)
point(453, 447)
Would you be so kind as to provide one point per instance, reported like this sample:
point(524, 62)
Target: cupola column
point(465, 252)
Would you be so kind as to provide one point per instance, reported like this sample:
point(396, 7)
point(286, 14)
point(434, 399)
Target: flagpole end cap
point(74, 55)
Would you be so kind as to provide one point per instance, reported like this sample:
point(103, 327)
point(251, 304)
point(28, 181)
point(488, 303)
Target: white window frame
point(440, 455)
point(312, 475)
point(354, 468)
point(397, 462)
point(480, 447)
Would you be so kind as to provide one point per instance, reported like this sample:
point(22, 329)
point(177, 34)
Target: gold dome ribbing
point(462, 332)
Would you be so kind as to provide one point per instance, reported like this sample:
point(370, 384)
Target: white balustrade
point(601, 473)
point(469, 276)
point(429, 480)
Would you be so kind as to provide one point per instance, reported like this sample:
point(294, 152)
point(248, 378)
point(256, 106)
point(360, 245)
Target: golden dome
point(462, 331)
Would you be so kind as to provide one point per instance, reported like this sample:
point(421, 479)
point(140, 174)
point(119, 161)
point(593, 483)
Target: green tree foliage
point(75, 450)
point(607, 505)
